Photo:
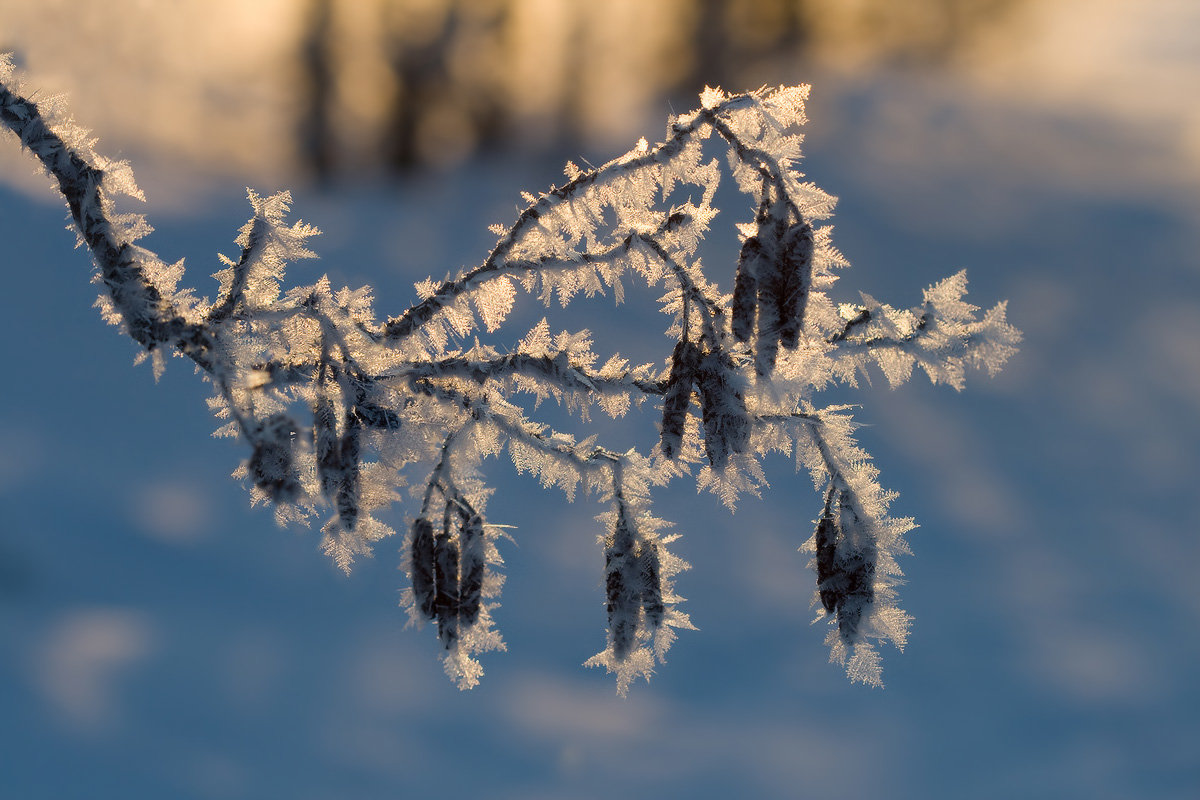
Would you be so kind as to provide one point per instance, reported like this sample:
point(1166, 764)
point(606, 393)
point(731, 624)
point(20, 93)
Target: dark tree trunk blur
point(316, 134)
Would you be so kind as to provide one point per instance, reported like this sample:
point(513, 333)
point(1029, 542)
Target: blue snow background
point(160, 639)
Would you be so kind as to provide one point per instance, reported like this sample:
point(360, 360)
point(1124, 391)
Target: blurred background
point(162, 639)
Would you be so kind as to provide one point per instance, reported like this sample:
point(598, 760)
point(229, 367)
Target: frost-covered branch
point(942, 336)
point(340, 410)
point(558, 369)
point(88, 182)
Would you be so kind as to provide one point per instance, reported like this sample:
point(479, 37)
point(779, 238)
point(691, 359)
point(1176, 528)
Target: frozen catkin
point(355, 419)
point(446, 599)
point(472, 562)
point(845, 563)
point(796, 252)
point(272, 461)
point(723, 408)
point(745, 289)
point(622, 585)
point(422, 569)
point(685, 362)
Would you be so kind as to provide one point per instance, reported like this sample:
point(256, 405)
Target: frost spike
point(766, 344)
point(338, 459)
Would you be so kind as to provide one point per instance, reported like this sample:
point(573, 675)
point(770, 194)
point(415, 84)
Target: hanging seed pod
point(770, 290)
point(337, 457)
point(858, 573)
point(745, 289)
point(677, 396)
point(795, 253)
point(856, 564)
point(621, 585)
point(846, 563)
point(272, 464)
point(766, 343)
point(827, 536)
point(445, 562)
point(650, 571)
point(325, 441)
point(348, 482)
point(421, 564)
point(723, 408)
point(471, 567)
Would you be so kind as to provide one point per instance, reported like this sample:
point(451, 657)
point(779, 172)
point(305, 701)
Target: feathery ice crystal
point(339, 407)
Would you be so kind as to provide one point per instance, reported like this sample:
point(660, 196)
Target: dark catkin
point(272, 463)
point(650, 571)
point(745, 289)
point(470, 590)
point(677, 396)
point(826, 540)
point(622, 593)
point(857, 557)
point(446, 603)
point(723, 409)
point(795, 259)
point(846, 564)
point(325, 440)
point(421, 565)
point(348, 457)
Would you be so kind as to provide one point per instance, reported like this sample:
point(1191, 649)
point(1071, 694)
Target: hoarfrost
point(340, 409)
